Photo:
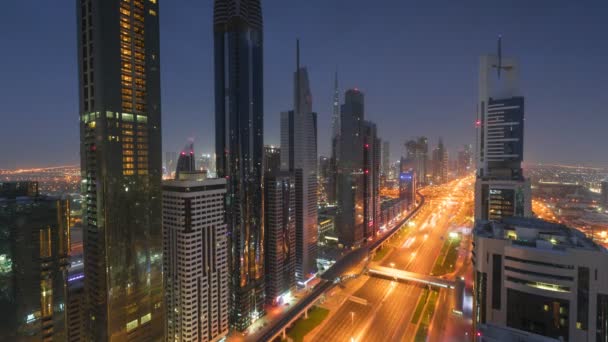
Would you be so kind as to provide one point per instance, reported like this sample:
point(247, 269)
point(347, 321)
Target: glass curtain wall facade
point(120, 130)
point(239, 134)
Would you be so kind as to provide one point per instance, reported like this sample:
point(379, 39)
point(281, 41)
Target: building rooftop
point(197, 182)
point(535, 233)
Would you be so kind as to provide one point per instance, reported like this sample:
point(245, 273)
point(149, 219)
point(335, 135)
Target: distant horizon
point(525, 164)
point(420, 80)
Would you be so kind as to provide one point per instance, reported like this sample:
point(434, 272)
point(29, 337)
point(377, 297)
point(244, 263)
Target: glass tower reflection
point(239, 134)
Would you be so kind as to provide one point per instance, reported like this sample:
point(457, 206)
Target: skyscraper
point(239, 145)
point(299, 155)
point(350, 216)
point(272, 159)
point(185, 162)
point(34, 246)
point(416, 151)
point(280, 218)
point(120, 136)
point(335, 141)
point(440, 163)
point(371, 174)
point(407, 183)
point(195, 257)
point(386, 159)
point(501, 189)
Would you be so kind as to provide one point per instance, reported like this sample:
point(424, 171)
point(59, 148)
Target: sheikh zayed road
point(372, 308)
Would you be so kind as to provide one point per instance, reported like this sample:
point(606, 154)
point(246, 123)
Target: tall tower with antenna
point(501, 189)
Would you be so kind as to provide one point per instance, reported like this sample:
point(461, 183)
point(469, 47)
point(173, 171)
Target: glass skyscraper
point(34, 246)
point(239, 134)
point(120, 130)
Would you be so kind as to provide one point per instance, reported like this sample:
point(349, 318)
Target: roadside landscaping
point(427, 317)
point(447, 257)
point(303, 326)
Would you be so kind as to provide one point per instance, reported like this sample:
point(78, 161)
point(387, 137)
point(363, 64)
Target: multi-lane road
point(381, 309)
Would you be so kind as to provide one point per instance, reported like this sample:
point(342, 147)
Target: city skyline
point(558, 52)
point(285, 221)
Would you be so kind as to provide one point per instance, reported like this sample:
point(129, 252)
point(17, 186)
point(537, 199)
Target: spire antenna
point(499, 54)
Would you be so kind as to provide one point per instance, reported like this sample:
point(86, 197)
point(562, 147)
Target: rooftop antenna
point(297, 109)
point(499, 54)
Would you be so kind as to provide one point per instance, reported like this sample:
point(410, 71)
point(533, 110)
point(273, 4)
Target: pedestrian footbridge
point(393, 273)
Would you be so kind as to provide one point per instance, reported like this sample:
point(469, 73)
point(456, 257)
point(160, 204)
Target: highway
point(388, 316)
point(342, 267)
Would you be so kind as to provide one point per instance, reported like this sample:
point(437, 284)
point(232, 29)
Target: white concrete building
point(195, 259)
point(541, 278)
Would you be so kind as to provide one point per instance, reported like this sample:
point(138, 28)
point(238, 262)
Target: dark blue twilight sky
point(416, 61)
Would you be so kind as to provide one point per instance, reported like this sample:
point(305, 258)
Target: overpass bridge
point(396, 274)
point(329, 279)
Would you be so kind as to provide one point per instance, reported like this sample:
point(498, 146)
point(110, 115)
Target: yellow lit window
point(128, 172)
point(124, 25)
point(152, 12)
point(127, 153)
point(127, 132)
point(125, 52)
point(125, 11)
point(145, 318)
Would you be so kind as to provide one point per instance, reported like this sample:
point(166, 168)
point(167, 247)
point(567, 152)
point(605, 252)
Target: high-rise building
point(501, 189)
point(120, 144)
point(239, 144)
point(386, 160)
point(440, 163)
point(371, 173)
point(280, 218)
point(350, 216)
point(465, 160)
point(299, 155)
point(34, 247)
point(185, 162)
point(541, 278)
point(416, 152)
point(272, 159)
point(407, 183)
point(331, 188)
point(195, 258)
point(323, 167)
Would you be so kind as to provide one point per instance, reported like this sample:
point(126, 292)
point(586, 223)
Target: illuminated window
point(142, 118)
point(127, 117)
point(128, 172)
point(152, 12)
point(127, 153)
point(125, 11)
point(145, 318)
point(125, 132)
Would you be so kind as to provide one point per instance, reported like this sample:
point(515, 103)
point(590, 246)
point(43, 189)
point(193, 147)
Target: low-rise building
point(540, 277)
